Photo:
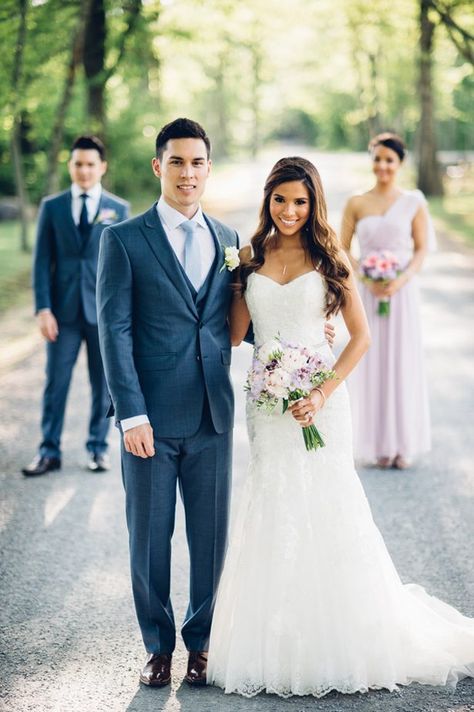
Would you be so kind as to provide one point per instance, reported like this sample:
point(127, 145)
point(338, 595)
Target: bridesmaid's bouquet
point(288, 372)
point(380, 267)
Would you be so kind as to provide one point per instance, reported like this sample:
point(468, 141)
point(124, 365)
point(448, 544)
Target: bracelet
point(322, 394)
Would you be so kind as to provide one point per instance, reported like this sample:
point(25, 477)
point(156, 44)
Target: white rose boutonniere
point(107, 216)
point(231, 259)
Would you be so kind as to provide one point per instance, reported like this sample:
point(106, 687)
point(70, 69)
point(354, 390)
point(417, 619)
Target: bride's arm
point(239, 317)
point(358, 328)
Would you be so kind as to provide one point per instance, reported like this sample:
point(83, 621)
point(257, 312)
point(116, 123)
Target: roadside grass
point(15, 266)
point(454, 213)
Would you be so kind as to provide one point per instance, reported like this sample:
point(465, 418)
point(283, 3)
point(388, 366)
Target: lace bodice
point(294, 310)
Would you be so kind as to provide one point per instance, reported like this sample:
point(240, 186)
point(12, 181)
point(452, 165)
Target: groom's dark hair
point(90, 143)
point(181, 128)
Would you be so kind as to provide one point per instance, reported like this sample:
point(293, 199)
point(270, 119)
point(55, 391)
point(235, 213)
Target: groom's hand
point(139, 441)
point(329, 333)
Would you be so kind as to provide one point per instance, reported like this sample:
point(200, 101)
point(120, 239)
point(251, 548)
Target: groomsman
point(64, 275)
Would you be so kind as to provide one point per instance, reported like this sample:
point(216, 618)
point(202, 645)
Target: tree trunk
point(16, 129)
point(52, 177)
point(429, 176)
point(94, 66)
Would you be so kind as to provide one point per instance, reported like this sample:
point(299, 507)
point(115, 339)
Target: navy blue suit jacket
point(65, 268)
point(164, 348)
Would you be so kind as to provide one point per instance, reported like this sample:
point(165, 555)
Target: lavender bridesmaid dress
point(388, 390)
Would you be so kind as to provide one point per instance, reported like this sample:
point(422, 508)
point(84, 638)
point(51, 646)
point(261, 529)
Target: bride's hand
point(304, 410)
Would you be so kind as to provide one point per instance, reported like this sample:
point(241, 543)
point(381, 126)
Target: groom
point(163, 300)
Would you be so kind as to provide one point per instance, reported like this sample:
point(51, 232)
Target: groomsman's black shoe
point(41, 465)
point(197, 669)
point(98, 462)
point(157, 671)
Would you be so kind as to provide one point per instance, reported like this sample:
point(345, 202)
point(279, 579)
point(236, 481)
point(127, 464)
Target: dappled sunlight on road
point(56, 502)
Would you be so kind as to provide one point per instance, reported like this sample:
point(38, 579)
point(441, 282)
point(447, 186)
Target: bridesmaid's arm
point(420, 241)
point(239, 316)
point(356, 322)
point(348, 226)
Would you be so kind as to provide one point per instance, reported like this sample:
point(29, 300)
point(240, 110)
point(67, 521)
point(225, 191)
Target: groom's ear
point(156, 166)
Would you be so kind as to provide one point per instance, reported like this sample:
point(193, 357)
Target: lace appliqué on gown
point(309, 600)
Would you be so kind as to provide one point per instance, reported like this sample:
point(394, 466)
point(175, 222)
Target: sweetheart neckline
point(286, 284)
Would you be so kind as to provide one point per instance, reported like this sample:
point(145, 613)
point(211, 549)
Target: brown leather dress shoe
point(197, 668)
point(41, 465)
point(157, 671)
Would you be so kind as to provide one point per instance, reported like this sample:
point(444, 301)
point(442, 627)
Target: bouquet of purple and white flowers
point(288, 372)
point(380, 267)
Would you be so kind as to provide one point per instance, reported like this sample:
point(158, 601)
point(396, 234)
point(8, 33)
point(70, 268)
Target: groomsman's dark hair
point(90, 143)
point(181, 128)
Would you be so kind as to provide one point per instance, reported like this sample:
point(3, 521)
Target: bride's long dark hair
point(319, 239)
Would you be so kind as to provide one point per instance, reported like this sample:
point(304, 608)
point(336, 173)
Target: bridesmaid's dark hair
point(319, 239)
point(389, 140)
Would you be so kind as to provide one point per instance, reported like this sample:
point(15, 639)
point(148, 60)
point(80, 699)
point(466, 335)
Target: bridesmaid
point(388, 388)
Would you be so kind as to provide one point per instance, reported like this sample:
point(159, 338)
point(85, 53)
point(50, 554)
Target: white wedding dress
point(309, 600)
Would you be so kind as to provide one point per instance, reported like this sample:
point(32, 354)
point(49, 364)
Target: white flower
point(106, 216)
point(278, 382)
point(231, 258)
point(293, 360)
point(267, 349)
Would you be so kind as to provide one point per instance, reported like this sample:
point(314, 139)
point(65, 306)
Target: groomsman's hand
point(48, 325)
point(329, 333)
point(139, 441)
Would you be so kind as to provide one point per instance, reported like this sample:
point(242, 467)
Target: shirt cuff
point(128, 423)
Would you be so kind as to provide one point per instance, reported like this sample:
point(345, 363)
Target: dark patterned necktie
point(84, 225)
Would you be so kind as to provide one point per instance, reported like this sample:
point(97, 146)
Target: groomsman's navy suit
point(64, 279)
point(167, 352)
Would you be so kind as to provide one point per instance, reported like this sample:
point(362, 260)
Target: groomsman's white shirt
point(92, 205)
point(92, 201)
point(171, 220)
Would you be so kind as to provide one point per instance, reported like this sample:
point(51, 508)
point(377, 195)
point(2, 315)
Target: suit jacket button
point(201, 324)
point(198, 358)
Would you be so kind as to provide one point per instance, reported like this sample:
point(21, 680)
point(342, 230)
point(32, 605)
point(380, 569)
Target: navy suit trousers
point(61, 358)
point(200, 467)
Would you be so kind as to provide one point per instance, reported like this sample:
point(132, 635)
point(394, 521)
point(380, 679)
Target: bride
point(309, 600)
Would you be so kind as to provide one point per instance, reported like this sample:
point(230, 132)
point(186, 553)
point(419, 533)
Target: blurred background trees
point(328, 74)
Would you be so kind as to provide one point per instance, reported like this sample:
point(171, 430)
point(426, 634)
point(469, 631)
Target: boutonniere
point(106, 217)
point(231, 259)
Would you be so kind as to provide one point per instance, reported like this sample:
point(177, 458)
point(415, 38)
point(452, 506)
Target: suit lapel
point(104, 203)
point(68, 219)
point(159, 244)
point(217, 279)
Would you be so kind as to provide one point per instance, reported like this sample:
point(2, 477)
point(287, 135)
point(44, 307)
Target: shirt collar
point(94, 192)
point(173, 218)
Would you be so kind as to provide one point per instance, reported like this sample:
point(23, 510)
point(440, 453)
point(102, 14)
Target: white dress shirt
point(171, 220)
point(92, 201)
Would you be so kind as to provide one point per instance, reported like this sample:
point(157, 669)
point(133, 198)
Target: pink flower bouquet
point(288, 372)
point(380, 267)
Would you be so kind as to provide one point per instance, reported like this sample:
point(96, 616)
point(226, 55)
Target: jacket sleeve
point(43, 260)
point(114, 312)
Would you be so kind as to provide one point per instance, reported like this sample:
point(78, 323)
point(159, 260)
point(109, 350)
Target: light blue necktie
point(192, 254)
